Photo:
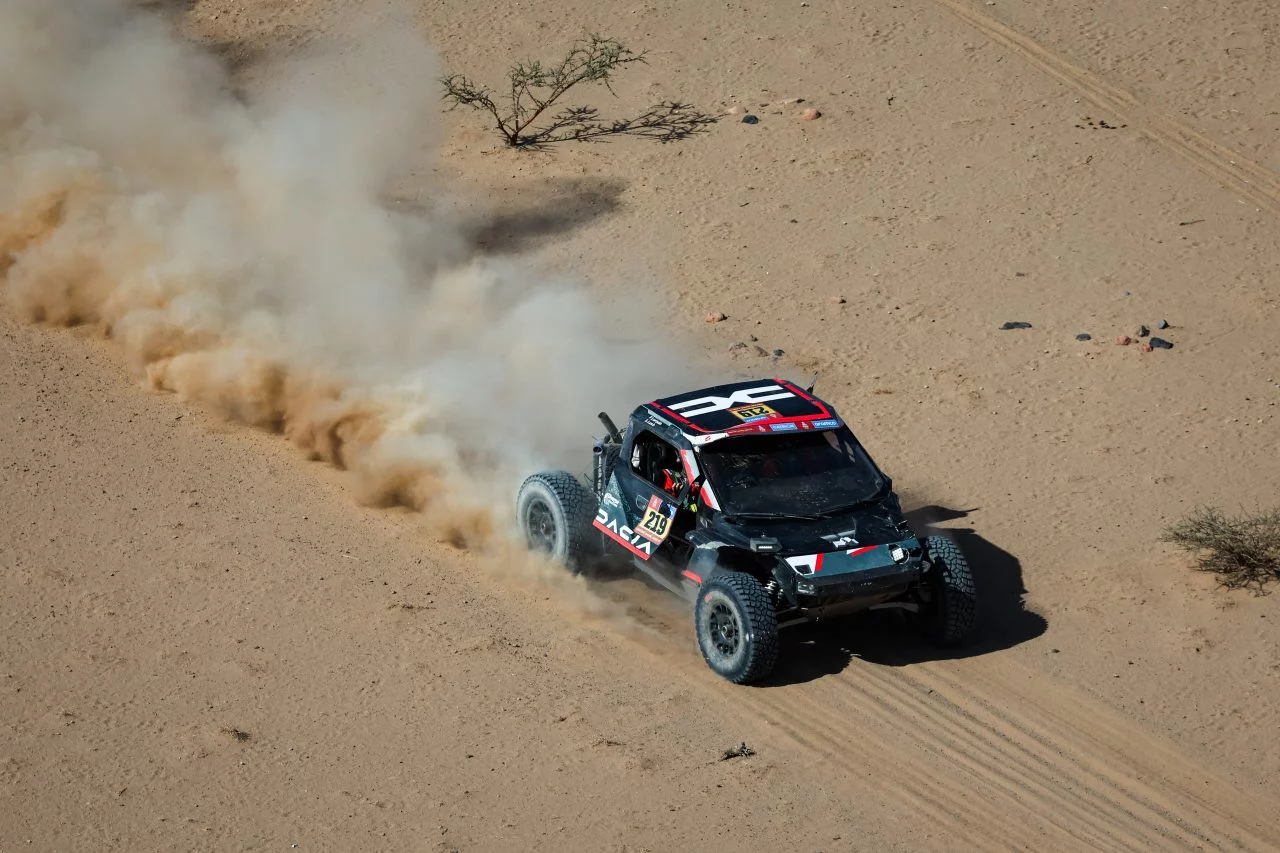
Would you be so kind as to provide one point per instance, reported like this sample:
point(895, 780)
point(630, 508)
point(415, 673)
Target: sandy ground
point(169, 580)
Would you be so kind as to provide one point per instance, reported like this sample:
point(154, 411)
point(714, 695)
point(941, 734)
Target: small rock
point(810, 114)
point(1123, 341)
point(839, 300)
point(753, 338)
point(1084, 336)
point(737, 345)
point(1163, 324)
point(715, 317)
point(1161, 343)
point(761, 351)
point(1019, 275)
point(1143, 331)
point(750, 119)
point(779, 353)
point(1015, 324)
point(1146, 347)
point(741, 751)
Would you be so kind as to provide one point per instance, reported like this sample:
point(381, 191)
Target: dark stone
point(779, 353)
point(1015, 324)
point(1163, 324)
point(1143, 331)
point(1084, 336)
point(1161, 343)
point(750, 119)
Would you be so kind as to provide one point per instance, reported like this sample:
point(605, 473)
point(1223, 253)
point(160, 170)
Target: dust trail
point(239, 251)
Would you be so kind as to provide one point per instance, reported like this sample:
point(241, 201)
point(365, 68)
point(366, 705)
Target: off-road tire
point(742, 601)
point(951, 614)
point(560, 500)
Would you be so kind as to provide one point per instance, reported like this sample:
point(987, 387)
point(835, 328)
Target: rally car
point(757, 503)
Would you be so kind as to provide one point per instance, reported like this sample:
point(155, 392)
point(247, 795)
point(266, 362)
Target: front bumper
point(848, 581)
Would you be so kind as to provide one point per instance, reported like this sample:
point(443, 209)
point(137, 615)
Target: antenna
point(812, 383)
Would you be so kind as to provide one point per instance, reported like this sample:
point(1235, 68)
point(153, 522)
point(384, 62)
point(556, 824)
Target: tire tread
point(959, 594)
point(762, 621)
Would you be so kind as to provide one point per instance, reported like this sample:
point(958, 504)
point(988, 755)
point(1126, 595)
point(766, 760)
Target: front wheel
point(737, 627)
point(948, 601)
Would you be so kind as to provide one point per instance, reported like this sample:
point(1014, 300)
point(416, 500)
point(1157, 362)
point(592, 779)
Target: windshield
point(803, 473)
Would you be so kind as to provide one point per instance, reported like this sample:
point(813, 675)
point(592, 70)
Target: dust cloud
point(239, 248)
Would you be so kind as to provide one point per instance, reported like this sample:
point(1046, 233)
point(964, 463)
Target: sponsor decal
point(742, 397)
point(623, 534)
point(655, 524)
point(611, 499)
point(751, 414)
point(843, 539)
point(826, 424)
point(806, 565)
point(783, 427)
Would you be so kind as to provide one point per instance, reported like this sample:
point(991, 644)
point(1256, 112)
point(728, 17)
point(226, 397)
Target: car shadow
point(884, 637)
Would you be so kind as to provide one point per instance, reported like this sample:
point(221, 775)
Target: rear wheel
point(948, 602)
point(737, 627)
point(555, 511)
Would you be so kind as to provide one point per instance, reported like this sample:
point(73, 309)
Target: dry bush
point(1243, 551)
point(536, 88)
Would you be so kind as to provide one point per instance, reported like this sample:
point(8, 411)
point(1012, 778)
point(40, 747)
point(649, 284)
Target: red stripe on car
point(616, 538)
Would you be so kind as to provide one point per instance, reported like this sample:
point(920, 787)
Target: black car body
point(820, 554)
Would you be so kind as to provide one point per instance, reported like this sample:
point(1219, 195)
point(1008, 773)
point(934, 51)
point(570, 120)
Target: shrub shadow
point(562, 205)
point(884, 637)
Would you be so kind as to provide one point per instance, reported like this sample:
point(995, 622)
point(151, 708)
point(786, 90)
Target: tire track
point(998, 756)
point(1034, 806)
point(1011, 796)
point(1116, 807)
point(1048, 777)
point(1111, 747)
point(1243, 176)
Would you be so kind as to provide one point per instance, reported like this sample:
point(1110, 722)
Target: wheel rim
point(724, 630)
point(540, 525)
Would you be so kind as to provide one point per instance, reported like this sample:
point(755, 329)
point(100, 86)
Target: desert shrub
point(1243, 551)
point(536, 89)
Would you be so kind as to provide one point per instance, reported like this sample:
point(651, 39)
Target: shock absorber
point(597, 469)
point(775, 593)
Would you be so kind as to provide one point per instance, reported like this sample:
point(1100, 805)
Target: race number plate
point(750, 414)
point(655, 524)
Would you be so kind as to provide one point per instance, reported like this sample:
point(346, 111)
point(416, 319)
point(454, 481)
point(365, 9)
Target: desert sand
point(255, 588)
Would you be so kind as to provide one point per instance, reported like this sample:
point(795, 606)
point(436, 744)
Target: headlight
point(898, 553)
point(804, 588)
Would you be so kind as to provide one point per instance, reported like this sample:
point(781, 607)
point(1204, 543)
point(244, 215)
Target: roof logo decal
point(741, 397)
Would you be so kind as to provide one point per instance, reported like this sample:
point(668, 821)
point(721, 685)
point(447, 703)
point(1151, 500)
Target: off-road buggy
point(756, 502)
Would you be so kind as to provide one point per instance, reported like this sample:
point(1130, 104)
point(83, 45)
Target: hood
point(876, 524)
